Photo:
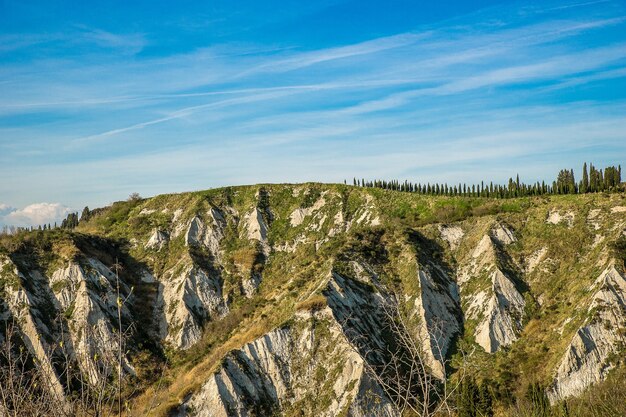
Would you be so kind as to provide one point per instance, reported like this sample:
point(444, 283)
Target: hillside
point(285, 299)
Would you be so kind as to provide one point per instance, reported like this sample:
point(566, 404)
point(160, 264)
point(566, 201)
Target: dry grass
point(66, 249)
point(314, 303)
point(160, 402)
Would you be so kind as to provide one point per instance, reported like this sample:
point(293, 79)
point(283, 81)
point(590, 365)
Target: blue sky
point(101, 99)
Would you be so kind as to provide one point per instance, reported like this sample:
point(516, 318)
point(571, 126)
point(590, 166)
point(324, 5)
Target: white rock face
point(189, 295)
point(594, 218)
point(209, 233)
point(298, 215)
point(438, 307)
point(535, 259)
point(178, 226)
point(502, 318)
point(251, 284)
point(483, 256)
point(503, 234)
point(157, 240)
point(556, 217)
point(291, 247)
point(189, 299)
point(358, 310)
point(339, 224)
point(586, 360)
point(365, 214)
point(451, 234)
point(485, 245)
point(90, 293)
point(361, 313)
point(499, 307)
point(597, 239)
point(22, 305)
point(278, 371)
point(77, 306)
point(477, 304)
point(256, 228)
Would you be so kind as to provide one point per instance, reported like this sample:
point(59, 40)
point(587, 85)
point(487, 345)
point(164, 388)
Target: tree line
point(593, 180)
point(70, 222)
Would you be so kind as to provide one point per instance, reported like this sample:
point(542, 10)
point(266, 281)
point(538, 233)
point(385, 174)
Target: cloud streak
point(119, 109)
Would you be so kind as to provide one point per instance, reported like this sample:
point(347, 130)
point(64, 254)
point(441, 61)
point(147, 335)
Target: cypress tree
point(539, 400)
point(600, 180)
point(585, 184)
point(592, 178)
point(86, 214)
point(466, 402)
point(485, 401)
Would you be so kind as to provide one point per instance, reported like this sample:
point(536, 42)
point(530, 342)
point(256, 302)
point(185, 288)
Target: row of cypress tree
point(593, 180)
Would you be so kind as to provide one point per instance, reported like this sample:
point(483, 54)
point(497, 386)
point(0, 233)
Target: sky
point(102, 99)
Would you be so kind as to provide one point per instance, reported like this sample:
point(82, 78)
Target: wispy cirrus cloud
point(79, 35)
point(505, 82)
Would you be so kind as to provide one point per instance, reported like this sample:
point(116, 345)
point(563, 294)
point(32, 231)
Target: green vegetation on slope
point(388, 230)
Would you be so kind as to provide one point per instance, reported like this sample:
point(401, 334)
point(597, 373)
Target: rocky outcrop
point(494, 301)
point(307, 366)
point(71, 319)
point(360, 310)
point(557, 217)
point(256, 227)
point(440, 316)
point(88, 296)
point(191, 258)
point(191, 297)
point(158, 239)
point(535, 259)
point(502, 317)
point(190, 293)
point(452, 235)
point(298, 215)
point(23, 307)
point(207, 233)
point(503, 234)
point(587, 359)
point(365, 214)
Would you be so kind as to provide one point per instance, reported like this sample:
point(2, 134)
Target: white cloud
point(33, 214)
point(5, 209)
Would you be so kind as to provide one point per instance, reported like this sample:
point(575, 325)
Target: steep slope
point(588, 357)
point(246, 295)
point(67, 314)
point(307, 366)
point(492, 297)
